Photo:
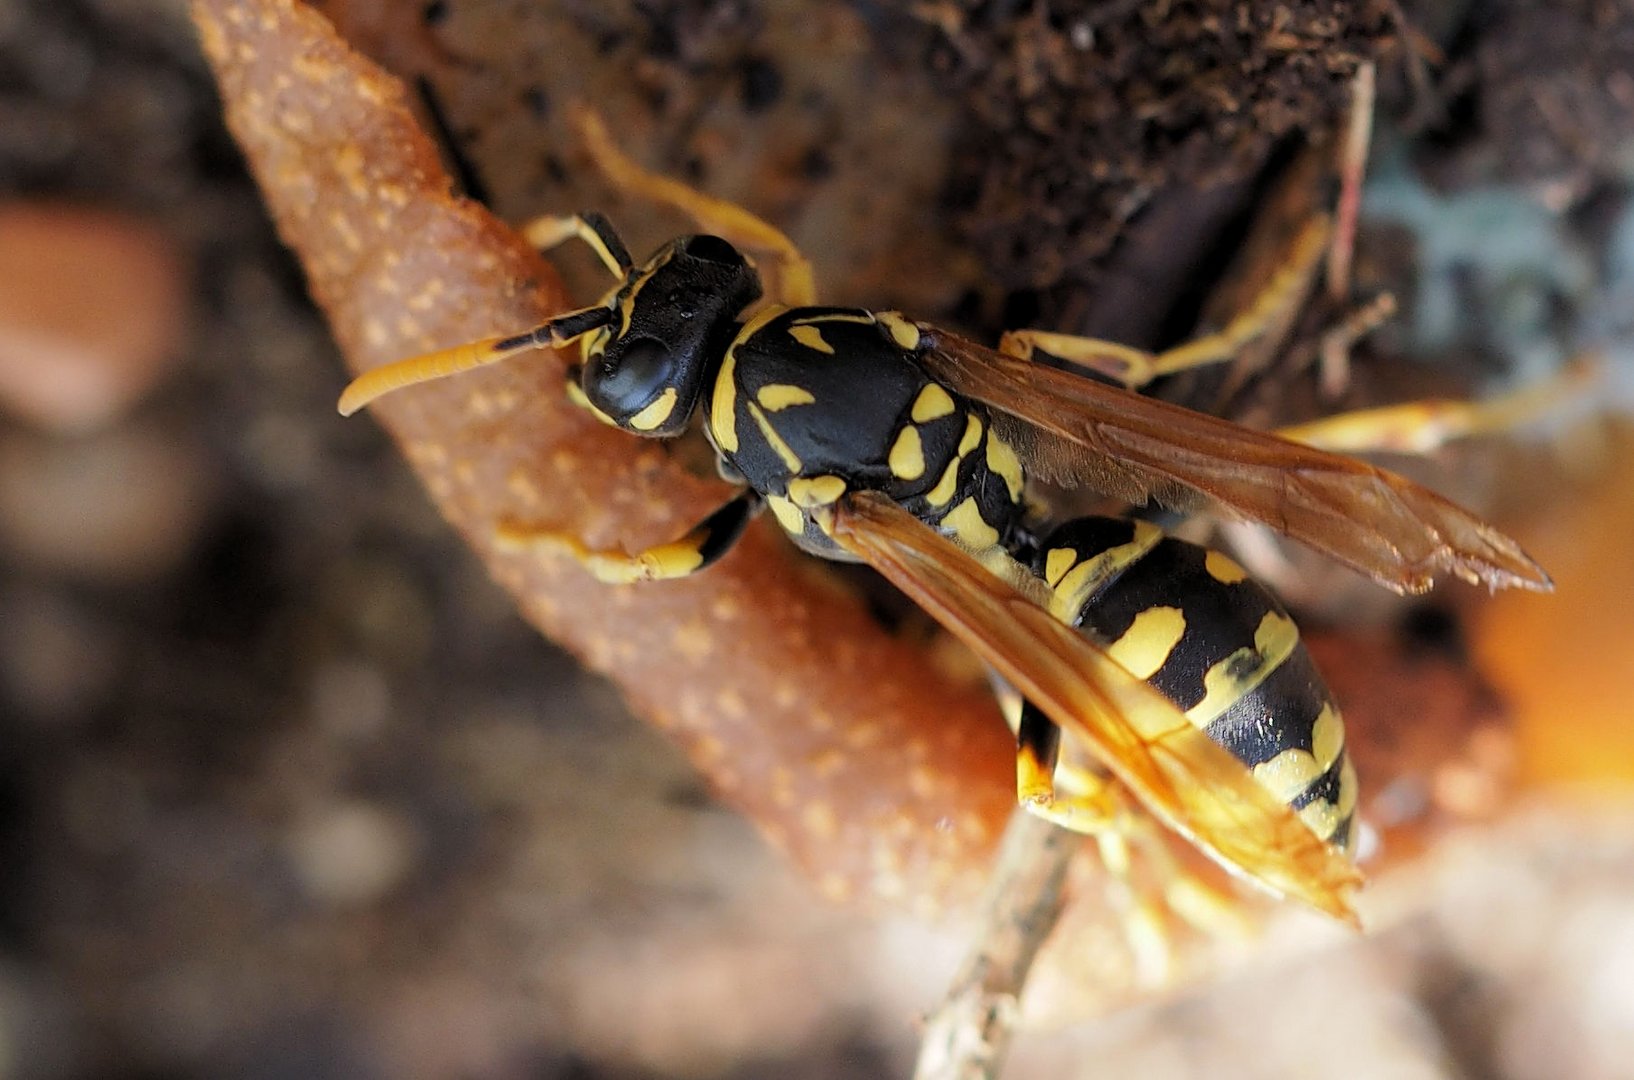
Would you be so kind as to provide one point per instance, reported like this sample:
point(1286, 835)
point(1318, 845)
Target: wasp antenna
point(436, 365)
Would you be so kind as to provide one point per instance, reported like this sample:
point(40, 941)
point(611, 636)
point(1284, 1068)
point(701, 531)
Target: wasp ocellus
point(875, 437)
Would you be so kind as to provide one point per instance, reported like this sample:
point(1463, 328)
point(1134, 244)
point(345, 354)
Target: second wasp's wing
point(1136, 448)
point(1188, 781)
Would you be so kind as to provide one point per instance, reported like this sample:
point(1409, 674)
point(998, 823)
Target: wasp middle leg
point(1266, 316)
point(701, 546)
point(1160, 898)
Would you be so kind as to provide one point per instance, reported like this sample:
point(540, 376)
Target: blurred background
point(286, 790)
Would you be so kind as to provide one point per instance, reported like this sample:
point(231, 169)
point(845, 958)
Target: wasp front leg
point(796, 285)
point(552, 231)
point(700, 547)
point(1266, 316)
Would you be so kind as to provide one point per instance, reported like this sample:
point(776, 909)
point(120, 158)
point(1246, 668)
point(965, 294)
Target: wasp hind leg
point(1092, 808)
point(699, 547)
point(1266, 317)
point(1160, 898)
point(1420, 427)
point(795, 284)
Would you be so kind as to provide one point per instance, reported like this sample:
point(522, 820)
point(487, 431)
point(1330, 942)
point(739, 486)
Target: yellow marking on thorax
point(968, 526)
point(949, 483)
point(972, 435)
point(1002, 461)
point(907, 458)
point(723, 406)
point(723, 417)
point(1223, 568)
point(773, 439)
point(943, 491)
point(903, 332)
point(814, 491)
point(811, 338)
point(787, 514)
point(932, 403)
point(1228, 681)
point(1089, 577)
point(1146, 645)
point(775, 397)
point(655, 413)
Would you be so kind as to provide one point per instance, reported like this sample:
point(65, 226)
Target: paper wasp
point(873, 437)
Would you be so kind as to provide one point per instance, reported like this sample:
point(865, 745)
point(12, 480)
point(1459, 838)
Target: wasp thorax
point(672, 321)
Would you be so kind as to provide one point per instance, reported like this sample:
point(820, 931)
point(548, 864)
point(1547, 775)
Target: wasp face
point(673, 318)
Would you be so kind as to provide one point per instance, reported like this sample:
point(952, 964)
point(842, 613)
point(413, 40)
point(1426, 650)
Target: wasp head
point(672, 320)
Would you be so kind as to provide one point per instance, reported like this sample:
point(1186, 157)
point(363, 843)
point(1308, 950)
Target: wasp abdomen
point(1191, 622)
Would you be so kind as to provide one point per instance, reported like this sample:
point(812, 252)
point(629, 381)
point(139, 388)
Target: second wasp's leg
point(701, 546)
point(796, 286)
point(1268, 314)
point(1419, 427)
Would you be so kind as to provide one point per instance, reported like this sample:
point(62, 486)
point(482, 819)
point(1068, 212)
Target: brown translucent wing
point(1075, 430)
point(1189, 782)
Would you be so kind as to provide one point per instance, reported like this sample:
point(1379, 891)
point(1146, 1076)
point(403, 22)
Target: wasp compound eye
point(629, 376)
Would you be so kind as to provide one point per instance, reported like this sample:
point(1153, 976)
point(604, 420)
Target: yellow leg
point(1159, 896)
point(1269, 313)
point(796, 286)
point(552, 231)
point(1091, 806)
point(1419, 427)
point(702, 545)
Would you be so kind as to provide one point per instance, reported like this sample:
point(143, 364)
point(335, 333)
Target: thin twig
point(1352, 167)
point(968, 1035)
